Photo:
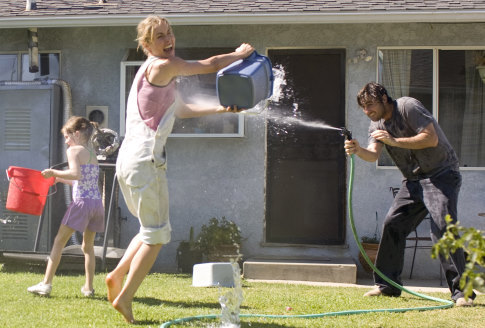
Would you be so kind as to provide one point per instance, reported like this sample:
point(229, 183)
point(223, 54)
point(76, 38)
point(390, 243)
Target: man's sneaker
point(463, 302)
point(40, 289)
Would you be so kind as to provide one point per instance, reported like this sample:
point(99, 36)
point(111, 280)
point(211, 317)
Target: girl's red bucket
point(27, 191)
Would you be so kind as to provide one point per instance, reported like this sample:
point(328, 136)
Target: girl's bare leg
point(89, 258)
point(60, 241)
point(140, 266)
point(114, 279)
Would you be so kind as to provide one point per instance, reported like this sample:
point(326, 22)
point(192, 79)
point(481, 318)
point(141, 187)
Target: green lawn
point(165, 297)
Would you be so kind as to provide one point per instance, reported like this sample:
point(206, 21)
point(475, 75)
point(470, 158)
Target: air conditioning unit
point(30, 121)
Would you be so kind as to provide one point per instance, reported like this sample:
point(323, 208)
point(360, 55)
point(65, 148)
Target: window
point(8, 67)
point(448, 84)
point(15, 67)
point(49, 67)
point(195, 89)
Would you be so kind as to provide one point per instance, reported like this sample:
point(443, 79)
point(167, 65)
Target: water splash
point(7, 219)
point(232, 300)
point(195, 94)
point(290, 121)
point(279, 82)
point(14, 219)
point(282, 120)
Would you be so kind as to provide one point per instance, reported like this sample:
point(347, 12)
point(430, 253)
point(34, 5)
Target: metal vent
point(17, 134)
point(14, 227)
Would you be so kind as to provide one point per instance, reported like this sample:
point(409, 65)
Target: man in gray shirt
point(431, 182)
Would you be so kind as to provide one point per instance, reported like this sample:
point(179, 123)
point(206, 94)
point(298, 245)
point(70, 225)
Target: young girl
point(152, 106)
point(86, 212)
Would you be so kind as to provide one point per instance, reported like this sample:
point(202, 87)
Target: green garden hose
point(446, 303)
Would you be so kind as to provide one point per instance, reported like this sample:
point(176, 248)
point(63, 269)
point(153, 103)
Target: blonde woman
point(153, 104)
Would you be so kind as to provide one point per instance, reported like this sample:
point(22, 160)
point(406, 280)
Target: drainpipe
point(33, 50)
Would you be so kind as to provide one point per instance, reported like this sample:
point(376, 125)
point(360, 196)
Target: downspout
point(33, 50)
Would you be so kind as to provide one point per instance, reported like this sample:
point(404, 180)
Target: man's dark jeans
point(437, 195)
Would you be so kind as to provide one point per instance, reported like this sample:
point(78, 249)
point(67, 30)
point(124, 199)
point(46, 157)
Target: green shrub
point(472, 241)
point(218, 232)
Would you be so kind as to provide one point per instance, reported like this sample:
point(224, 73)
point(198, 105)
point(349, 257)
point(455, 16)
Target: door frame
point(344, 97)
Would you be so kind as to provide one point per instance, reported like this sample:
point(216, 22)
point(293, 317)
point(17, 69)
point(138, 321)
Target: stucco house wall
point(226, 176)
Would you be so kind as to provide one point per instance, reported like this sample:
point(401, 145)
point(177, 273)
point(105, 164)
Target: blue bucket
point(245, 82)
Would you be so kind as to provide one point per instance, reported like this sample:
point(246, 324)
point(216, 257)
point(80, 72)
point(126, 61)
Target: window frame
point(123, 65)
point(435, 86)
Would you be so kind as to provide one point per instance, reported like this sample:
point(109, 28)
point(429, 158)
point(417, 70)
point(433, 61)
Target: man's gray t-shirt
point(410, 117)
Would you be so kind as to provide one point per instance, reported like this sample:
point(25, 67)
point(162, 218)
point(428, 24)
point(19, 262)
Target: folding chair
point(416, 239)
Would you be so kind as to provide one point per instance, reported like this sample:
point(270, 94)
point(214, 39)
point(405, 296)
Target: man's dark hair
point(372, 92)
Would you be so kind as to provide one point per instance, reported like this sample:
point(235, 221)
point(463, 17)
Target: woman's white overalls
point(141, 168)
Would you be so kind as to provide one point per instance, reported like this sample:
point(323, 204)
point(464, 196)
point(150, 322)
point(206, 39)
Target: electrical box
point(98, 114)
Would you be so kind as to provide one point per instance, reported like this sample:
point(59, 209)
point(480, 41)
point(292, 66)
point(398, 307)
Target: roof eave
point(460, 16)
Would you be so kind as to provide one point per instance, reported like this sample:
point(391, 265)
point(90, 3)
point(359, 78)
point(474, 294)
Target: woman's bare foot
point(124, 309)
point(114, 285)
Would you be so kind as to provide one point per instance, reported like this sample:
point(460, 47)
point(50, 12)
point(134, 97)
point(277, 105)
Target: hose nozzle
point(346, 133)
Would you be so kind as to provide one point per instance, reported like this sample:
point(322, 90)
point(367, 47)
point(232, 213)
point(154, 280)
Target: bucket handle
point(27, 191)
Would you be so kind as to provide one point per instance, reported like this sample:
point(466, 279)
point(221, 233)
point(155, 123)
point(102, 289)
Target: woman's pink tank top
point(153, 101)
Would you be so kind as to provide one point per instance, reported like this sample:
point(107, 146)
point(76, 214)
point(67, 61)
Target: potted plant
point(220, 240)
point(188, 254)
point(370, 245)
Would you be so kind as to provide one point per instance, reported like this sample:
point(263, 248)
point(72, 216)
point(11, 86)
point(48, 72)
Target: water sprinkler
point(346, 133)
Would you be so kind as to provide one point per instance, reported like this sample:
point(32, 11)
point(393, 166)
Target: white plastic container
point(216, 274)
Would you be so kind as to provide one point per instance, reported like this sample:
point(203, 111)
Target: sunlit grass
point(165, 297)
